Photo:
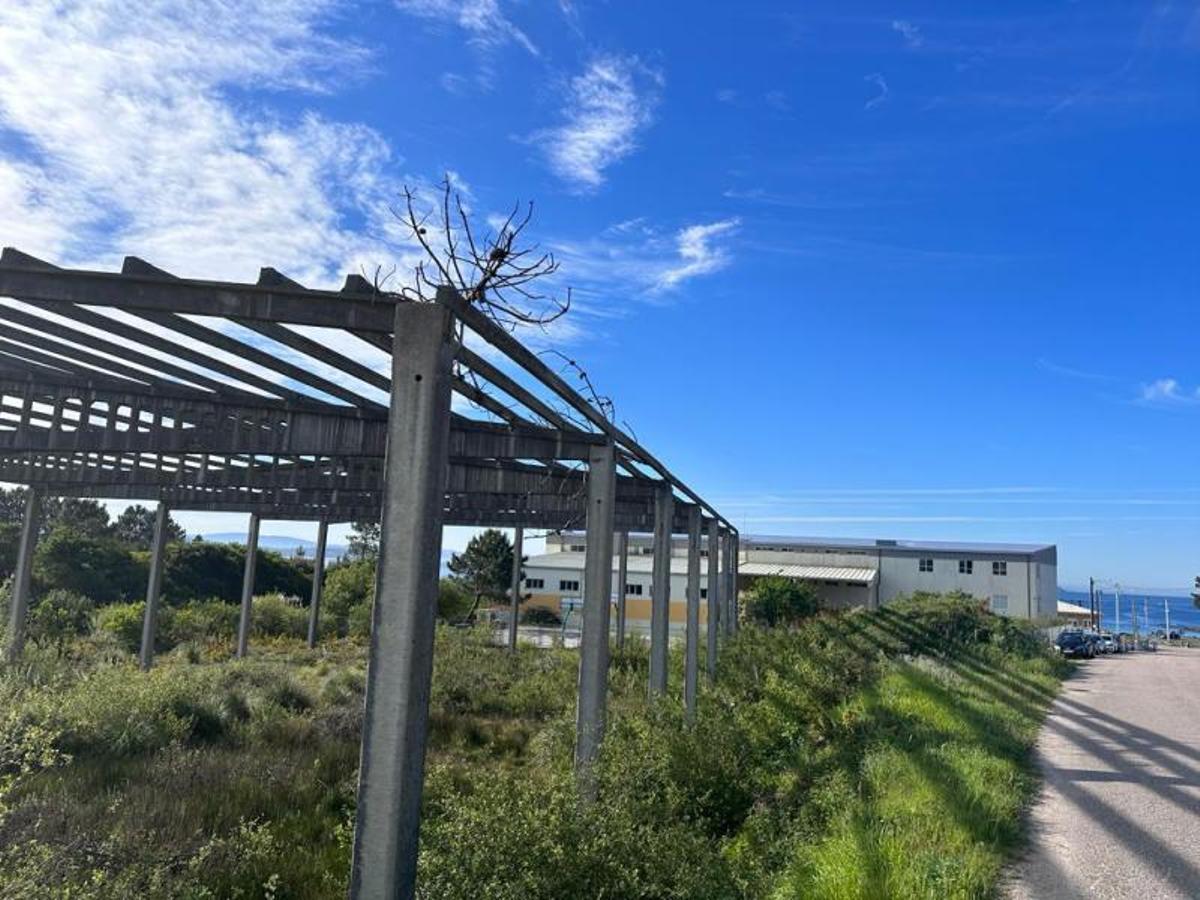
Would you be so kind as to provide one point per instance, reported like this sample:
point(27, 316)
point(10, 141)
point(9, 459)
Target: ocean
point(1150, 613)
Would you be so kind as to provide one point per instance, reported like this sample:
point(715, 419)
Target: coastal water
point(1150, 612)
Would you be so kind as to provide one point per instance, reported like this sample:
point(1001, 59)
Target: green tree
point(364, 540)
point(98, 567)
point(202, 570)
point(59, 617)
point(348, 585)
point(778, 601)
point(484, 568)
point(135, 527)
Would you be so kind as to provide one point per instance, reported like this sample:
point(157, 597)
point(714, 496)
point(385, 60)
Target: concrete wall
point(901, 574)
point(1030, 583)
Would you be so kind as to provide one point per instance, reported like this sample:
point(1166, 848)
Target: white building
point(1014, 579)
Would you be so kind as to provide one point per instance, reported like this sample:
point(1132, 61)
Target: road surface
point(1120, 812)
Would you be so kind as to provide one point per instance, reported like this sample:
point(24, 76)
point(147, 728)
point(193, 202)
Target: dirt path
point(1120, 812)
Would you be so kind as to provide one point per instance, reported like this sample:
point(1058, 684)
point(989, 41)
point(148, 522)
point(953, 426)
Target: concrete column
point(735, 611)
point(515, 602)
point(714, 596)
point(660, 600)
point(622, 581)
point(248, 571)
point(597, 588)
point(727, 593)
point(314, 604)
point(392, 764)
point(691, 656)
point(22, 576)
point(154, 586)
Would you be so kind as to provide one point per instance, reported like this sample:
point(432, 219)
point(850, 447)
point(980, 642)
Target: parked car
point(1109, 643)
point(1074, 644)
point(1096, 641)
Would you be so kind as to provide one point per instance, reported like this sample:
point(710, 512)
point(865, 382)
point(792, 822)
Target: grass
point(860, 756)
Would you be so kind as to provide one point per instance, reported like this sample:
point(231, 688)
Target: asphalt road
point(1120, 812)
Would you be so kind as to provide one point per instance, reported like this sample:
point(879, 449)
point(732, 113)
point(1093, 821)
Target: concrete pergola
point(290, 403)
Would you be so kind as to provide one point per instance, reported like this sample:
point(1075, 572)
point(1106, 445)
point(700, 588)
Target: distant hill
point(280, 543)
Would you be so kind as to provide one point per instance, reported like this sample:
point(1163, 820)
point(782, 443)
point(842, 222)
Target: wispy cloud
point(1168, 391)
point(700, 252)
point(646, 262)
point(1071, 371)
point(484, 21)
point(141, 151)
point(911, 33)
point(608, 105)
point(881, 85)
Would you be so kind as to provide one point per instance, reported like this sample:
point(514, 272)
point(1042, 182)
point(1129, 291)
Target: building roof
point(860, 544)
point(1072, 609)
point(852, 574)
point(644, 565)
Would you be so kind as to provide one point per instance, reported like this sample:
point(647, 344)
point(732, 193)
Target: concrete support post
point(22, 575)
point(515, 601)
point(729, 586)
point(392, 763)
point(243, 643)
point(714, 596)
point(660, 599)
point(154, 587)
point(597, 588)
point(622, 581)
point(734, 607)
point(691, 656)
point(314, 604)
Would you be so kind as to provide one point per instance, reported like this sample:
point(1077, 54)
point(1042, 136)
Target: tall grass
point(868, 755)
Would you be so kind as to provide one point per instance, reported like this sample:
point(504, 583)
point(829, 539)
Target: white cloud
point(483, 20)
point(878, 80)
point(699, 252)
point(140, 150)
point(636, 260)
point(1168, 390)
point(912, 34)
point(607, 106)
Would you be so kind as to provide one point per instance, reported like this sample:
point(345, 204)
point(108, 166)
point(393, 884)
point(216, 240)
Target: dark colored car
point(1076, 644)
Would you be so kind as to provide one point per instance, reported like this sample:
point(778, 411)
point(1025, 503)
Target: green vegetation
point(777, 601)
point(867, 755)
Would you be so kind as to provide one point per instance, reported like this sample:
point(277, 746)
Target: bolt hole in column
point(417, 377)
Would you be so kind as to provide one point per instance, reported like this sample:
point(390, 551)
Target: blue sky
point(862, 269)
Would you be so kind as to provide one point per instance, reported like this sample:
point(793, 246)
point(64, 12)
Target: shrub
point(454, 601)
point(775, 600)
point(347, 585)
point(274, 615)
point(59, 617)
point(539, 615)
point(358, 622)
point(204, 620)
point(95, 566)
point(124, 622)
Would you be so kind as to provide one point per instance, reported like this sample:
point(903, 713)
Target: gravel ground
point(1120, 812)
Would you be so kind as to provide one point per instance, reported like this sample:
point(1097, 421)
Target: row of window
point(965, 566)
point(566, 584)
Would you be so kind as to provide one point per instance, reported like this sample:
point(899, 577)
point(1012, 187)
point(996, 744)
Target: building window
point(1000, 603)
point(966, 566)
point(633, 590)
point(578, 548)
point(1000, 568)
point(925, 565)
point(565, 585)
point(535, 582)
